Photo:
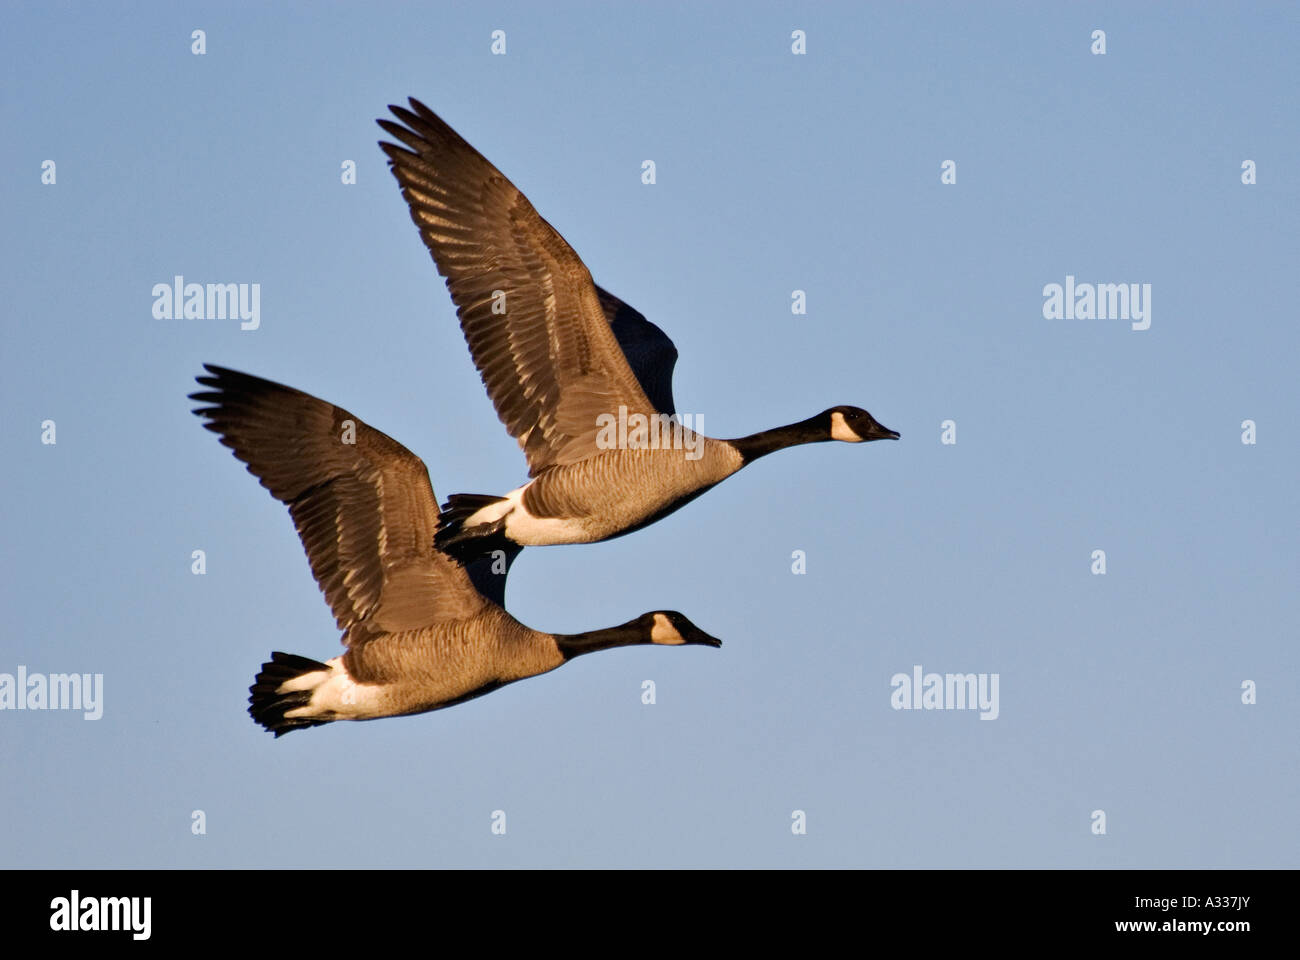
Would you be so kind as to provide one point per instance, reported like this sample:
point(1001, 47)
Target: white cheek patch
point(840, 429)
point(664, 632)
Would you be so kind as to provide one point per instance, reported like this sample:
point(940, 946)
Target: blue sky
point(1119, 692)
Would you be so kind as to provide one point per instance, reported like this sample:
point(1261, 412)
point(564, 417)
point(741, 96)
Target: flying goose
point(556, 353)
point(419, 634)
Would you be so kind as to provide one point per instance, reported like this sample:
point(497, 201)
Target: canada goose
point(419, 634)
point(547, 343)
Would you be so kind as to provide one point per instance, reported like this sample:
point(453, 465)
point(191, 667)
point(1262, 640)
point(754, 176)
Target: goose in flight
point(420, 635)
point(556, 353)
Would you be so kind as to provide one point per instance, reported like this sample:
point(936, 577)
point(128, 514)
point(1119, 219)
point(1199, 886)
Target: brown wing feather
point(550, 362)
point(365, 511)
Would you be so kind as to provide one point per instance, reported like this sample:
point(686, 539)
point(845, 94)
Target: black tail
point(268, 706)
point(467, 544)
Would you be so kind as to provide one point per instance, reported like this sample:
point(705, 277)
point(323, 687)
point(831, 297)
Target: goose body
point(561, 359)
point(600, 498)
point(421, 631)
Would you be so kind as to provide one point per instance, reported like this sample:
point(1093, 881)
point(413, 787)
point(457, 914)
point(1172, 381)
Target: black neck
point(812, 430)
point(576, 644)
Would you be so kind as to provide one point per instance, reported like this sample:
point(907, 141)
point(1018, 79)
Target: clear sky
point(775, 172)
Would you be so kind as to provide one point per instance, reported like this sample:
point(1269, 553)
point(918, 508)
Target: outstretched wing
point(362, 503)
point(527, 305)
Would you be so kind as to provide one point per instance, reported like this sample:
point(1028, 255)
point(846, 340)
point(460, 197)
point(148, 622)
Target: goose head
point(849, 424)
point(855, 425)
point(672, 629)
point(665, 627)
